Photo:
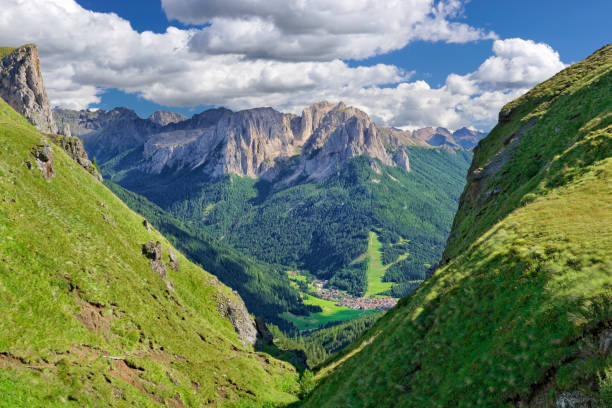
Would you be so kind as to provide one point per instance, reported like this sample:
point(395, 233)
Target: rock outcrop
point(74, 147)
point(164, 118)
point(153, 251)
point(21, 86)
point(43, 157)
point(173, 261)
point(262, 331)
point(234, 309)
point(401, 159)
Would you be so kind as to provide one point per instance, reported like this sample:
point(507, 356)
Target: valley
point(316, 187)
point(295, 255)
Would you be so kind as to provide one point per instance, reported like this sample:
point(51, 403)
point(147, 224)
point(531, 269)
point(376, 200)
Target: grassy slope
point(61, 260)
point(376, 269)
point(517, 313)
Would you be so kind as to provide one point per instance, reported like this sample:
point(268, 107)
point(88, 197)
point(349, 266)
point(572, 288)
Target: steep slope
point(21, 85)
point(521, 314)
point(91, 316)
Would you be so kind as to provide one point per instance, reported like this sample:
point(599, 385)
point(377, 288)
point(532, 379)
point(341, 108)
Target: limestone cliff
point(21, 86)
point(262, 142)
point(164, 118)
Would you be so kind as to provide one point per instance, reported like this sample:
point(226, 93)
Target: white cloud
point(518, 63)
point(319, 30)
point(84, 52)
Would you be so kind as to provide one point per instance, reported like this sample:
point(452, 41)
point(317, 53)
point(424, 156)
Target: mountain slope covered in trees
point(521, 313)
point(323, 226)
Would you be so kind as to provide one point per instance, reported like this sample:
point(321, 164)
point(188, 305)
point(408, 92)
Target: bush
point(307, 383)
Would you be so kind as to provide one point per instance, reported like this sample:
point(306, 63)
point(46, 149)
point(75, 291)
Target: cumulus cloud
point(85, 52)
point(318, 30)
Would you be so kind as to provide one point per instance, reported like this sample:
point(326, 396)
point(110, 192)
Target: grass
point(330, 313)
point(4, 51)
point(376, 269)
point(519, 310)
point(75, 291)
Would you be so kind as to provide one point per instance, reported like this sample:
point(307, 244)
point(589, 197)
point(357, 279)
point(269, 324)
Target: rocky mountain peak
point(164, 118)
point(21, 86)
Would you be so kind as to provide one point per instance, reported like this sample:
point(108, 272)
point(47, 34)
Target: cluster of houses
point(344, 299)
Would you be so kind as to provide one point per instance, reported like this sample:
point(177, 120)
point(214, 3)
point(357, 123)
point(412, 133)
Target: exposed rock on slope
point(21, 86)
point(74, 147)
point(237, 313)
point(164, 118)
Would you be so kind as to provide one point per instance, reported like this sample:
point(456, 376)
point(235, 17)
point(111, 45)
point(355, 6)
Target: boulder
point(173, 260)
point(236, 312)
point(153, 251)
point(43, 155)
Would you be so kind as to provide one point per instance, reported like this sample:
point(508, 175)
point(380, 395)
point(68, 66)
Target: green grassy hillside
point(521, 315)
point(85, 319)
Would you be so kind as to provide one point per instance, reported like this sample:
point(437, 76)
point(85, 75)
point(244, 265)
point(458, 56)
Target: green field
point(376, 269)
point(330, 313)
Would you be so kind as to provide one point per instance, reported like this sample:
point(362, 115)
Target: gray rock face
point(262, 331)
point(153, 251)
point(260, 142)
point(164, 118)
point(107, 133)
point(43, 156)
point(66, 130)
point(401, 159)
point(173, 261)
point(237, 313)
point(21, 86)
point(74, 147)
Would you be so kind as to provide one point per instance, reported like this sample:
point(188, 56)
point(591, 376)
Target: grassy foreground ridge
point(85, 319)
point(521, 313)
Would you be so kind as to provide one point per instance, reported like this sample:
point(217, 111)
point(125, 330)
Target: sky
point(407, 63)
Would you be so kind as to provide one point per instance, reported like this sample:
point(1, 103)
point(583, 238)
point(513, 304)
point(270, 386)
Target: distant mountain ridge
point(259, 142)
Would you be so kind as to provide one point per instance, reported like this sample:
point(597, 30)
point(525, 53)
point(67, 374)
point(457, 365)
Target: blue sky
point(450, 63)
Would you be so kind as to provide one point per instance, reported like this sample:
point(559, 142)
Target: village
point(344, 299)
